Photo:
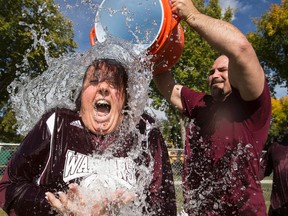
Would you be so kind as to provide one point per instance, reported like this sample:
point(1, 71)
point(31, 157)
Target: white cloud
point(235, 5)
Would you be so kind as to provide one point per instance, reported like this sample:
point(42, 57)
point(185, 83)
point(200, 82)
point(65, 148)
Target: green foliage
point(8, 130)
point(271, 42)
point(30, 31)
point(193, 67)
point(171, 134)
point(279, 124)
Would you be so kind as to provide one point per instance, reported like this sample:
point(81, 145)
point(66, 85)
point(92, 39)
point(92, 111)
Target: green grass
point(266, 187)
point(2, 213)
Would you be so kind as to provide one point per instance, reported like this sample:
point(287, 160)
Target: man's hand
point(184, 9)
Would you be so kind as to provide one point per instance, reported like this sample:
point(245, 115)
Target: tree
point(279, 124)
point(193, 67)
point(271, 43)
point(30, 32)
point(170, 133)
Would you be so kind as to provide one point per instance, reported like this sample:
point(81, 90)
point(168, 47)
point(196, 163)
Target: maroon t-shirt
point(58, 151)
point(276, 161)
point(223, 147)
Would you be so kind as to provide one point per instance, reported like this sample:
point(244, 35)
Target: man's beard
point(218, 94)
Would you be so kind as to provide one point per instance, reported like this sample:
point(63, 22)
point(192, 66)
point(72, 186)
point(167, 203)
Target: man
point(228, 128)
point(275, 160)
point(90, 161)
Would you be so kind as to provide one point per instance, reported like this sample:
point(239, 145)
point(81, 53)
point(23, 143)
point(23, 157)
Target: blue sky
point(82, 13)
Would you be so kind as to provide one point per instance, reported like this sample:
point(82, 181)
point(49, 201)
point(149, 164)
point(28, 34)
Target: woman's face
point(102, 101)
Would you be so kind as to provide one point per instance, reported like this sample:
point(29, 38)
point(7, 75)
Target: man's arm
point(169, 89)
point(245, 71)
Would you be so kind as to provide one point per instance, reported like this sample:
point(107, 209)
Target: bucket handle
point(175, 21)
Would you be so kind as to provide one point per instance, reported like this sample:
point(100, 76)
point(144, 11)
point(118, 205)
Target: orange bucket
point(150, 25)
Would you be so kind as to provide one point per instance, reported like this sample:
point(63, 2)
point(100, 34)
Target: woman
point(89, 161)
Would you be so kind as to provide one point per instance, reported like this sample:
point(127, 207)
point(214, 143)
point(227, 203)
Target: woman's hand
point(73, 203)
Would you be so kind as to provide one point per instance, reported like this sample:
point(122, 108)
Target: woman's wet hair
point(109, 70)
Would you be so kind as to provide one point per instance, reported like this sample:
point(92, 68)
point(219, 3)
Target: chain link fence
point(176, 160)
point(6, 152)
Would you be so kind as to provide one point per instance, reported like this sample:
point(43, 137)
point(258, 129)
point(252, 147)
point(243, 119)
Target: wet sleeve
point(19, 191)
point(190, 99)
point(266, 165)
point(162, 191)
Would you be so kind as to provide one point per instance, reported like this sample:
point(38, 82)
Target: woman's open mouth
point(102, 108)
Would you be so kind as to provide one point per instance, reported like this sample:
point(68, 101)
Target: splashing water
point(118, 173)
point(61, 83)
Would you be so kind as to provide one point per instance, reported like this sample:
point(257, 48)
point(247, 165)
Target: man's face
point(218, 79)
point(102, 102)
